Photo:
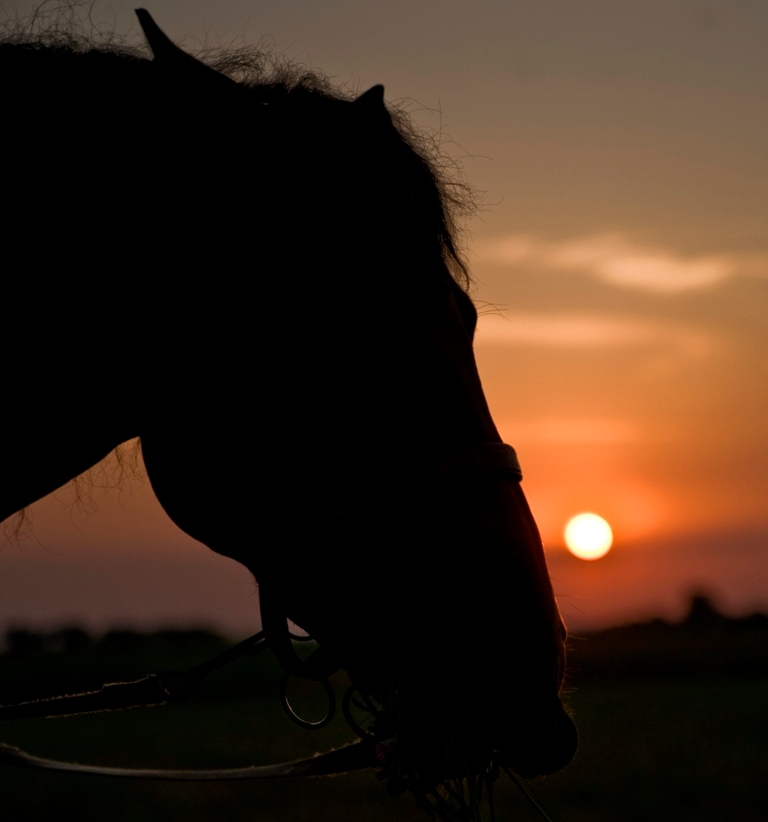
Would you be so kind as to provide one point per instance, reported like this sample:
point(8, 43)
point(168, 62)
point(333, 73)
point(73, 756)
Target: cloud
point(578, 331)
point(615, 259)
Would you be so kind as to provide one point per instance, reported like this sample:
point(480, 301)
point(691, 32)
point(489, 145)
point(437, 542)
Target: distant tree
point(702, 613)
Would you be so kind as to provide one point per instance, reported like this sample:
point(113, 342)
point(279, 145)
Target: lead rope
point(352, 757)
point(155, 689)
point(158, 689)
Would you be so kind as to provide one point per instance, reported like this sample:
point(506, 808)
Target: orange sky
point(621, 261)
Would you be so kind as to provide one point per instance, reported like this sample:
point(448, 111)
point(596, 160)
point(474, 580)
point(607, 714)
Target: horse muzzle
point(540, 743)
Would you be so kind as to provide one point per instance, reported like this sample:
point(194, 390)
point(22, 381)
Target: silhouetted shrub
point(68, 641)
point(21, 642)
point(122, 641)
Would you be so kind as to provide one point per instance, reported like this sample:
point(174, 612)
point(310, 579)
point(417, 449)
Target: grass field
point(671, 741)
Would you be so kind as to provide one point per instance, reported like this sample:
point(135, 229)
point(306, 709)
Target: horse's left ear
point(171, 58)
point(373, 101)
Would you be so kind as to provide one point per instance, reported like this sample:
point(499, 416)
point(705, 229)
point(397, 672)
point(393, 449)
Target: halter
point(473, 461)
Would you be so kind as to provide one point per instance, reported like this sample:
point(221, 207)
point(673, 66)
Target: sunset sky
point(621, 266)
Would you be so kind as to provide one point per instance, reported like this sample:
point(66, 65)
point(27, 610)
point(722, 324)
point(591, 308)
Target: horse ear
point(373, 100)
point(170, 57)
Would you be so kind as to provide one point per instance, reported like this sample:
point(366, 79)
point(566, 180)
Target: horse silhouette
point(259, 278)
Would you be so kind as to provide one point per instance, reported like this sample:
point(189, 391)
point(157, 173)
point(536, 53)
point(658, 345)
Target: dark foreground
point(673, 721)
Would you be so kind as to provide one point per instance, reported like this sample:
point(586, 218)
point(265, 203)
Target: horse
point(258, 276)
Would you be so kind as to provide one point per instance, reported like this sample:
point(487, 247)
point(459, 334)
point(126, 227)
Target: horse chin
point(437, 741)
point(438, 754)
point(448, 724)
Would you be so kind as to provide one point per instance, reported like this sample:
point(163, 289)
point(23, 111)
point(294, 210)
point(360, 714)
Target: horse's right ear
point(168, 56)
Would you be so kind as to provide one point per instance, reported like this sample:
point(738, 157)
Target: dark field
point(673, 722)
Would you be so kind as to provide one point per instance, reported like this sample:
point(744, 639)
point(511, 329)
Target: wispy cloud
point(579, 331)
point(617, 260)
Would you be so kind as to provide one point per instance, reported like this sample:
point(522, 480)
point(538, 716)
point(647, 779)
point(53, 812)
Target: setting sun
point(588, 536)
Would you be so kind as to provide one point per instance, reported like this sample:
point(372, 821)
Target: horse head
point(305, 388)
point(348, 426)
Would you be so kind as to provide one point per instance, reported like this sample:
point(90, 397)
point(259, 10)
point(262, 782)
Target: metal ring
point(302, 723)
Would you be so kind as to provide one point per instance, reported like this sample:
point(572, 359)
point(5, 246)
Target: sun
point(588, 536)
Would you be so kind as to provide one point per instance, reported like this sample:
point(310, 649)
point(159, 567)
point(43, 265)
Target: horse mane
point(67, 28)
point(62, 37)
